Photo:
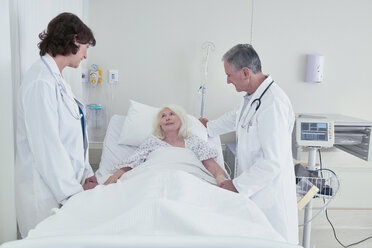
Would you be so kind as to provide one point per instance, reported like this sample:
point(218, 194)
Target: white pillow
point(139, 120)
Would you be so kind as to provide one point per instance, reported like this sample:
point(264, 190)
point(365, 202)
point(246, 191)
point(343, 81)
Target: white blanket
point(170, 194)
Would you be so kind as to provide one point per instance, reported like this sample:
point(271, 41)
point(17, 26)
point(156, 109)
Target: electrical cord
point(324, 193)
point(333, 228)
point(325, 203)
point(335, 235)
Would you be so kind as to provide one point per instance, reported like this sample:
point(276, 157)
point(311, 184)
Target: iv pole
point(210, 47)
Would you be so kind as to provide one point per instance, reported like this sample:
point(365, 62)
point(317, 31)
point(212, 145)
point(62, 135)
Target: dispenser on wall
point(314, 68)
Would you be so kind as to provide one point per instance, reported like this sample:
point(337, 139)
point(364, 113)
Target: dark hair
point(243, 55)
point(62, 32)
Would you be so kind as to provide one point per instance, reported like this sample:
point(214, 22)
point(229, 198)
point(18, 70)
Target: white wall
point(8, 229)
point(27, 21)
point(284, 32)
point(156, 46)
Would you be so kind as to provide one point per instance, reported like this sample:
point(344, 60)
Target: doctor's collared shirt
point(247, 98)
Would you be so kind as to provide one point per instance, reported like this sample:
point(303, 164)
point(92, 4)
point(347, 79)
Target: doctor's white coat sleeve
point(274, 125)
point(224, 124)
point(50, 157)
point(88, 171)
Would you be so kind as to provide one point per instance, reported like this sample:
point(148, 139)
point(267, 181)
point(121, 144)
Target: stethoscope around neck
point(62, 89)
point(258, 102)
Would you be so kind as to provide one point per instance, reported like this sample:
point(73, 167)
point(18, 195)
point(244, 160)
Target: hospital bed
point(159, 207)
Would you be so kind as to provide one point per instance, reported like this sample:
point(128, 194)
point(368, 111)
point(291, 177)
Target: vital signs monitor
point(314, 132)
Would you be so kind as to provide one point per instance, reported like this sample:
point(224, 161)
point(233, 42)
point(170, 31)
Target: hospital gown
point(200, 148)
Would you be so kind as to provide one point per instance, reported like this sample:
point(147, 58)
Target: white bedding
point(113, 153)
point(171, 194)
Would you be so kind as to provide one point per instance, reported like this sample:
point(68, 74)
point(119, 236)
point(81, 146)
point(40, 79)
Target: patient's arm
point(117, 175)
point(138, 157)
point(212, 166)
point(228, 184)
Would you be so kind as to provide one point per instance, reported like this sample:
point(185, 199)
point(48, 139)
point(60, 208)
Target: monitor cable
point(333, 228)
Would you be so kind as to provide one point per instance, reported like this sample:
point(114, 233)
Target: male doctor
point(52, 147)
point(263, 123)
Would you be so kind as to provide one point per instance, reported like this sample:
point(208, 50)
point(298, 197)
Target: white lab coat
point(265, 170)
point(52, 155)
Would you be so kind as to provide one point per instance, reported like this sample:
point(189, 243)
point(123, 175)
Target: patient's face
point(169, 120)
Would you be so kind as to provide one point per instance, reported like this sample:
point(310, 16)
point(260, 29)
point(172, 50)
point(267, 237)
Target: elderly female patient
point(170, 129)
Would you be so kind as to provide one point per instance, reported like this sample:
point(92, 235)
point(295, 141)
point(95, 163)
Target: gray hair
point(181, 113)
point(243, 55)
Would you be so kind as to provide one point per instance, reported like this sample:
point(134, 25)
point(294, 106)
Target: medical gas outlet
point(95, 75)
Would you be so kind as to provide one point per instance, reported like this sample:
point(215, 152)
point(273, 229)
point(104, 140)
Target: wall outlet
point(113, 76)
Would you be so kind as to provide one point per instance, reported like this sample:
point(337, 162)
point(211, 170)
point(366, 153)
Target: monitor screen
point(316, 131)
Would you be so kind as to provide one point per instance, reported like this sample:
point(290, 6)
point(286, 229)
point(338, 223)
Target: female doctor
point(52, 149)
point(263, 123)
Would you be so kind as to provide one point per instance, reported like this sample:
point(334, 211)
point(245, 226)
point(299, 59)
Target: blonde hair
point(181, 113)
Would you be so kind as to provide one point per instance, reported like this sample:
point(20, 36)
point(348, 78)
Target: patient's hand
point(117, 175)
point(228, 184)
point(90, 183)
point(92, 179)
